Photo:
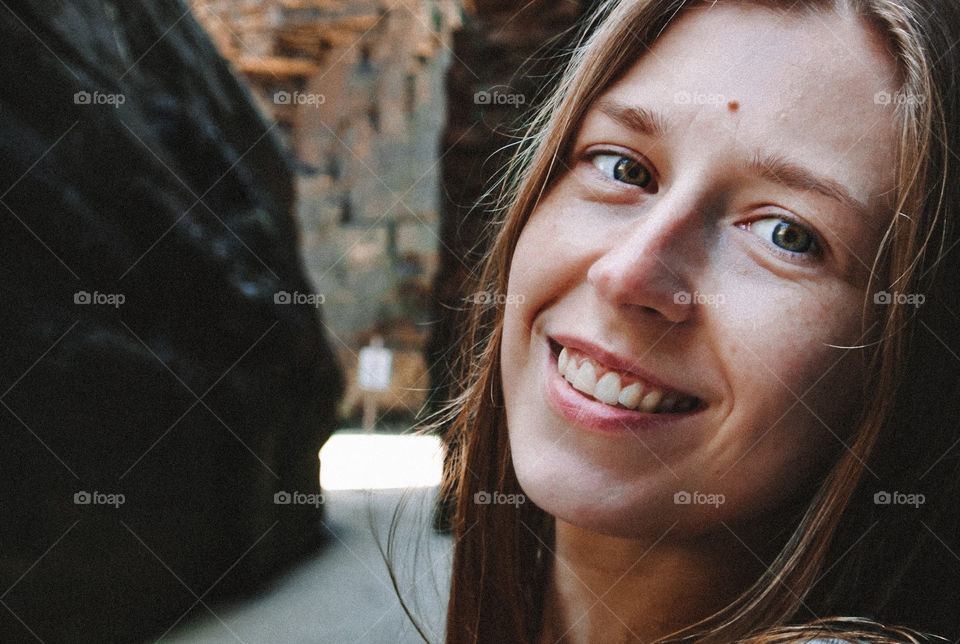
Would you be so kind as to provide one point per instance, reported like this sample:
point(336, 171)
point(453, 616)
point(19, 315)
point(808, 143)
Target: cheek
point(518, 302)
point(549, 256)
point(544, 246)
point(792, 336)
point(796, 396)
point(527, 284)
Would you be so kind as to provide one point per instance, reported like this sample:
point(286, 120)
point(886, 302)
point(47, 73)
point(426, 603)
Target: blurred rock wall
point(356, 87)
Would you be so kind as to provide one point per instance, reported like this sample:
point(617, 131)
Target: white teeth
point(570, 372)
point(586, 378)
point(562, 361)
point(630, 396)
point(608, 388)
point(650, 401)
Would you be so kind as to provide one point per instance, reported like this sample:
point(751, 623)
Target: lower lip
point(579, 409)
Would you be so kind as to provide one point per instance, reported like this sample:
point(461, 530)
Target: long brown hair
point(841, 557)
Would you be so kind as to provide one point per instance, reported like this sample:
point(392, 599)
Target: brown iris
point(632, 172)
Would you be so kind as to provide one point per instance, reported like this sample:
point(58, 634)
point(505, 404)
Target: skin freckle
point(733, 106)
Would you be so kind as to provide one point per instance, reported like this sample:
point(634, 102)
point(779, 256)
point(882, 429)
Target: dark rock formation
point(146, 230)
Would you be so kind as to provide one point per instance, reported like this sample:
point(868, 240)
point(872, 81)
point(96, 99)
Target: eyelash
point(592, 156)
point(814, 253)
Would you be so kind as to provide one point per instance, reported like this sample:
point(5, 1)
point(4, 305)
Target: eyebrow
point(638, 119)
point(797, 177)
point(771, 167)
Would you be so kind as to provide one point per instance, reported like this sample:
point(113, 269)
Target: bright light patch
point(350, 461)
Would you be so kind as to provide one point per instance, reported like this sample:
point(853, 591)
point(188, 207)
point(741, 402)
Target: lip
point(586, 412)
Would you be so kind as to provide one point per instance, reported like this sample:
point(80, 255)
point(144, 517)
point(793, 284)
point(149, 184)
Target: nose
point(651, 267)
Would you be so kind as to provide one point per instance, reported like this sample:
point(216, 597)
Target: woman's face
point(709, 240)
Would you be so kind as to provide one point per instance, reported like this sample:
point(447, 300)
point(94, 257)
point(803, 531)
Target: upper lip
point(616, 362)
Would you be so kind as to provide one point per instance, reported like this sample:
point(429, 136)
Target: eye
point(785, 234)
point(623, 169)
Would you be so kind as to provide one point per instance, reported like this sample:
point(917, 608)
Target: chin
point(569, 491)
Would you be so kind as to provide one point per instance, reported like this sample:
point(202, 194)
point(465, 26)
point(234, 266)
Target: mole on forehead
point(733, 106)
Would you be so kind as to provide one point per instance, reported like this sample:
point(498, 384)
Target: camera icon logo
point(82, 98)
point(682, 498)
point(281, 98)
point(481, 297)
point(682, 98)
point(81, 297)
point(882, 297)
point(282, 498)
point(682, 298)
point(882, 498)
point(82, 498)
point(882, 97)
point(282, 298)
point(483, 98)
point(482, 498)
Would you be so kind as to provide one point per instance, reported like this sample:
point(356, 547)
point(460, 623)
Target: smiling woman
point(716, 379)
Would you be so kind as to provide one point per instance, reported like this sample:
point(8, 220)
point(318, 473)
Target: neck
point(609, 589)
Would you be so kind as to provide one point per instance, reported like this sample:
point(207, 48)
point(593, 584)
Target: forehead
point(802, 86)
point(764, 49)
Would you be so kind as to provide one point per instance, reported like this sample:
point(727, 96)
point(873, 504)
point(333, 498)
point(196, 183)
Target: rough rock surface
point(146, 232)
